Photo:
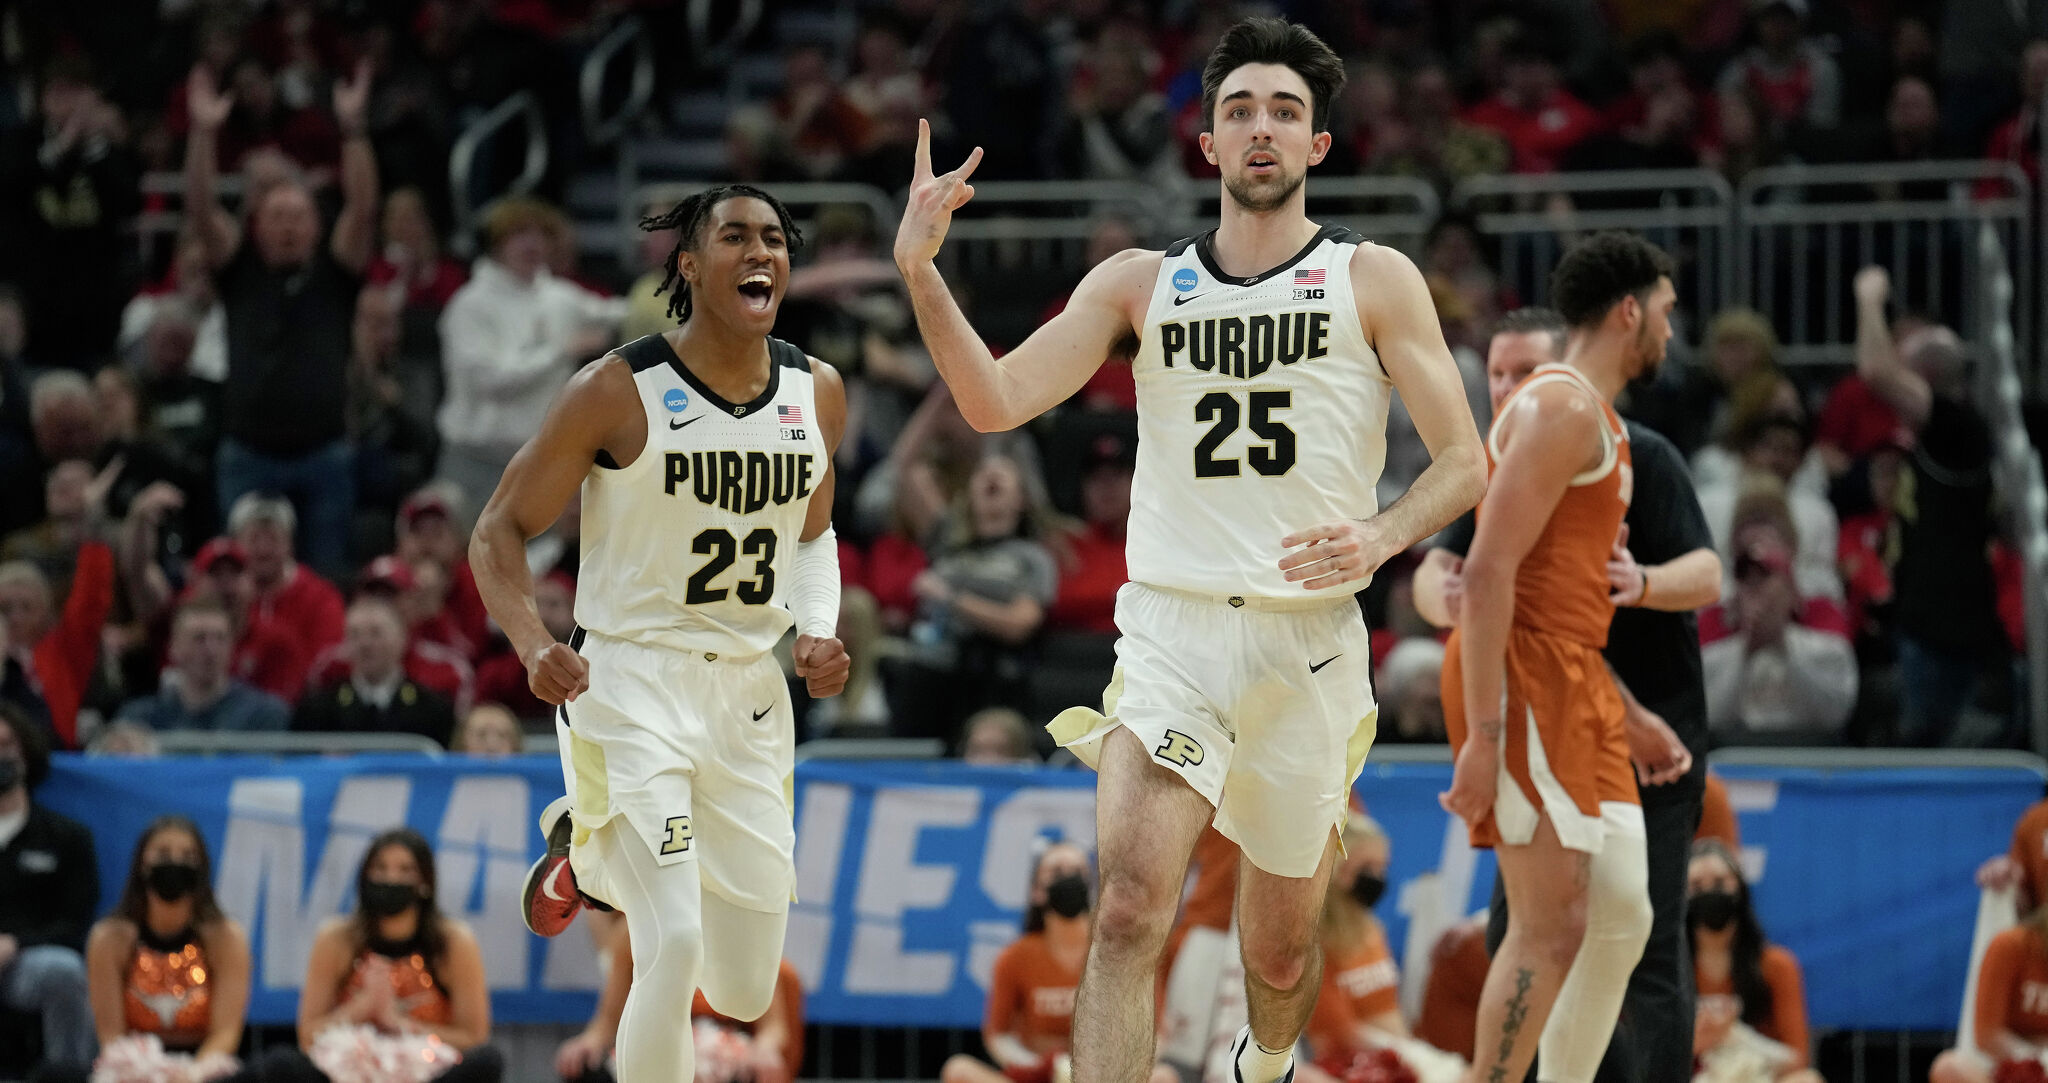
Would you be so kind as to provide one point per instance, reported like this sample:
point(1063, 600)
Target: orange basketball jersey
point(1561, 585)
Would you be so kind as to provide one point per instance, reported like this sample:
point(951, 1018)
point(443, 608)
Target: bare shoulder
point(112, 933)
point(1127, 276)
point(335, 934)
point(605, 381)
point(1558, 409)
point(827, 377)
point(1373, 260)
point(460, 936)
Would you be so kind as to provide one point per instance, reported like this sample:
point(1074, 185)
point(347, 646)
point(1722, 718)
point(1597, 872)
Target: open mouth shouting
point(757, 291)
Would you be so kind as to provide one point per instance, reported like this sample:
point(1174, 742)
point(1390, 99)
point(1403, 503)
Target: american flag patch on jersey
point(1309, 278)
point(790, 415)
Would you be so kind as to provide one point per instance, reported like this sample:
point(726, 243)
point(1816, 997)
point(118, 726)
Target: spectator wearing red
point(1774, 662)
point(1792, 82)
point(429, 533)
point(2018, 140)
point(58, 650)
point(287, 593)
point(377, 695)
point(501, 677)
point(1092, 567)
point(411, 256)
point(269, 655)
point(431, 664)
point(1855, 422)
point(1661, 119)
point(1111, 387)
point(1539, 118)
point(1868, 493)
point(263, 118)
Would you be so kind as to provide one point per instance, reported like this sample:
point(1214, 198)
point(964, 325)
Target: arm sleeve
point(1788, 1003)
point(85, 609)
point(814, 586)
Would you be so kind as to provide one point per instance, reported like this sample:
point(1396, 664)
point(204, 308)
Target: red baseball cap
point(424, 502)
point(217, 550)
point(387, 573)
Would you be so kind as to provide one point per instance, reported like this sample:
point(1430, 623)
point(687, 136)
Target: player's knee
point(1131, 916)
point(1557, 934)
point(1276, 963)
point(672, 948)
point(746, 1000)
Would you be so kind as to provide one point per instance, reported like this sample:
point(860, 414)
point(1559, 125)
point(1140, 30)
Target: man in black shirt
point(290, 303)
point(49, 893)
point(1665, 570)
point(1946, 601)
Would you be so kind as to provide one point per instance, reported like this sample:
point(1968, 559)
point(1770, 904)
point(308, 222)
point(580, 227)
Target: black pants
point(483, 1064)
point(1653, 1038)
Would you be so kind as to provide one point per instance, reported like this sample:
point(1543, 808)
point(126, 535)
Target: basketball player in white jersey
point(1265, 352)
point(705, 461)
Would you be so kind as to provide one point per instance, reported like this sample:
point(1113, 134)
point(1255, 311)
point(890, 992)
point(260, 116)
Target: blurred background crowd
point(251, 396)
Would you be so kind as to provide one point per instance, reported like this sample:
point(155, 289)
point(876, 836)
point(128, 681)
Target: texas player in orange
point(1543, 772)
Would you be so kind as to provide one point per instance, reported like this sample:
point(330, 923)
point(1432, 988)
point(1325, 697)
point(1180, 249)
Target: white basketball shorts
point(1265, 708)
point(695, 752)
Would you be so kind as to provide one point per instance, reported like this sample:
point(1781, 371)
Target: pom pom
point(724, 1055)
point(2020, 1071)
point(140, 1058)
point(362, 1054)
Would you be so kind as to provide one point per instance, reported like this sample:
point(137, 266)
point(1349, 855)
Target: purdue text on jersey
point(743, 482)
point(1246, 346)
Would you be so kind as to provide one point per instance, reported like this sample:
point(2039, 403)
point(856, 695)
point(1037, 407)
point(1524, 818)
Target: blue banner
point(911, 876)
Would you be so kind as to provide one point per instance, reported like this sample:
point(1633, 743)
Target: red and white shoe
point(549, 900)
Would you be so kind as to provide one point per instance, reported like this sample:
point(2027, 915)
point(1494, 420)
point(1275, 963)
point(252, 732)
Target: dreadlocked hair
point(688, 218)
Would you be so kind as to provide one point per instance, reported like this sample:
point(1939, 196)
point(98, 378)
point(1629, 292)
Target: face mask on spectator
point(171, 881)
point(1367, 889)
point(1713, 909)
point(10, 774)
point(1067, 896)
point(388, 900)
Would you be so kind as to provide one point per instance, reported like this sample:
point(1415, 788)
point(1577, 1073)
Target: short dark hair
point(688, 218)
point(1264, 40)
point(1533, 319)
point(1599, 271)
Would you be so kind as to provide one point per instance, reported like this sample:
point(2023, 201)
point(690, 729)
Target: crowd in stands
point(237, 469)
point(284, 420)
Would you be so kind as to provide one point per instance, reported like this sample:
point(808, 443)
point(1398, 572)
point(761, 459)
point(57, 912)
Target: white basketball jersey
point(1261, 411)
point(689, 546)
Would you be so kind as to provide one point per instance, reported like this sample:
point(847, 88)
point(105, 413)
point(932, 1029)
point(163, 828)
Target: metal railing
point(209, 743)
point(522, 107)
point(2016, 463)
point(630, 34)
point(1804, 230)
point(802, 200)
point(1689, 213)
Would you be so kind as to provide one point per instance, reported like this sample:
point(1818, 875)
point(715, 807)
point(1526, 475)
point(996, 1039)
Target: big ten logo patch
point(792, 434)
point(677, 840)
point(1308, 295)
point(1179, 748)
point(1053, 1002)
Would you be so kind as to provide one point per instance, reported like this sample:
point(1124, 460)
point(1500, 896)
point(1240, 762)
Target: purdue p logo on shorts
point(1179, 748)
point(678, 838)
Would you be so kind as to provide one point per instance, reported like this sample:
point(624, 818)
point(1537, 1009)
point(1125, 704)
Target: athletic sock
point(1257, 1064)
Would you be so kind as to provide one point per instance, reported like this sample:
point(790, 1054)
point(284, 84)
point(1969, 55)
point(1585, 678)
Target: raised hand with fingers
point(928, 212)
point(351, 98)
point(204, 103)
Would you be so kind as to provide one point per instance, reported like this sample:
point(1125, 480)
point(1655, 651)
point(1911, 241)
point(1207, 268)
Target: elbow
point(985, 418)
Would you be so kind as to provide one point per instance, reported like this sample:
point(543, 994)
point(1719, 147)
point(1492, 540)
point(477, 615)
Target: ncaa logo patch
point(1185, 279)
point(677, 400)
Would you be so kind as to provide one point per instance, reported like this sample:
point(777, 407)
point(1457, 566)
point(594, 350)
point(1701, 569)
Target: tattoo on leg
point(1518, 1010)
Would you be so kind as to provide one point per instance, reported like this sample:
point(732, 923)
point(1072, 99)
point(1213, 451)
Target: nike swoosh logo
point(675, 424)
point(763, 712)
point(1324, 662)
point(1185, 298)
point(547, 886)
